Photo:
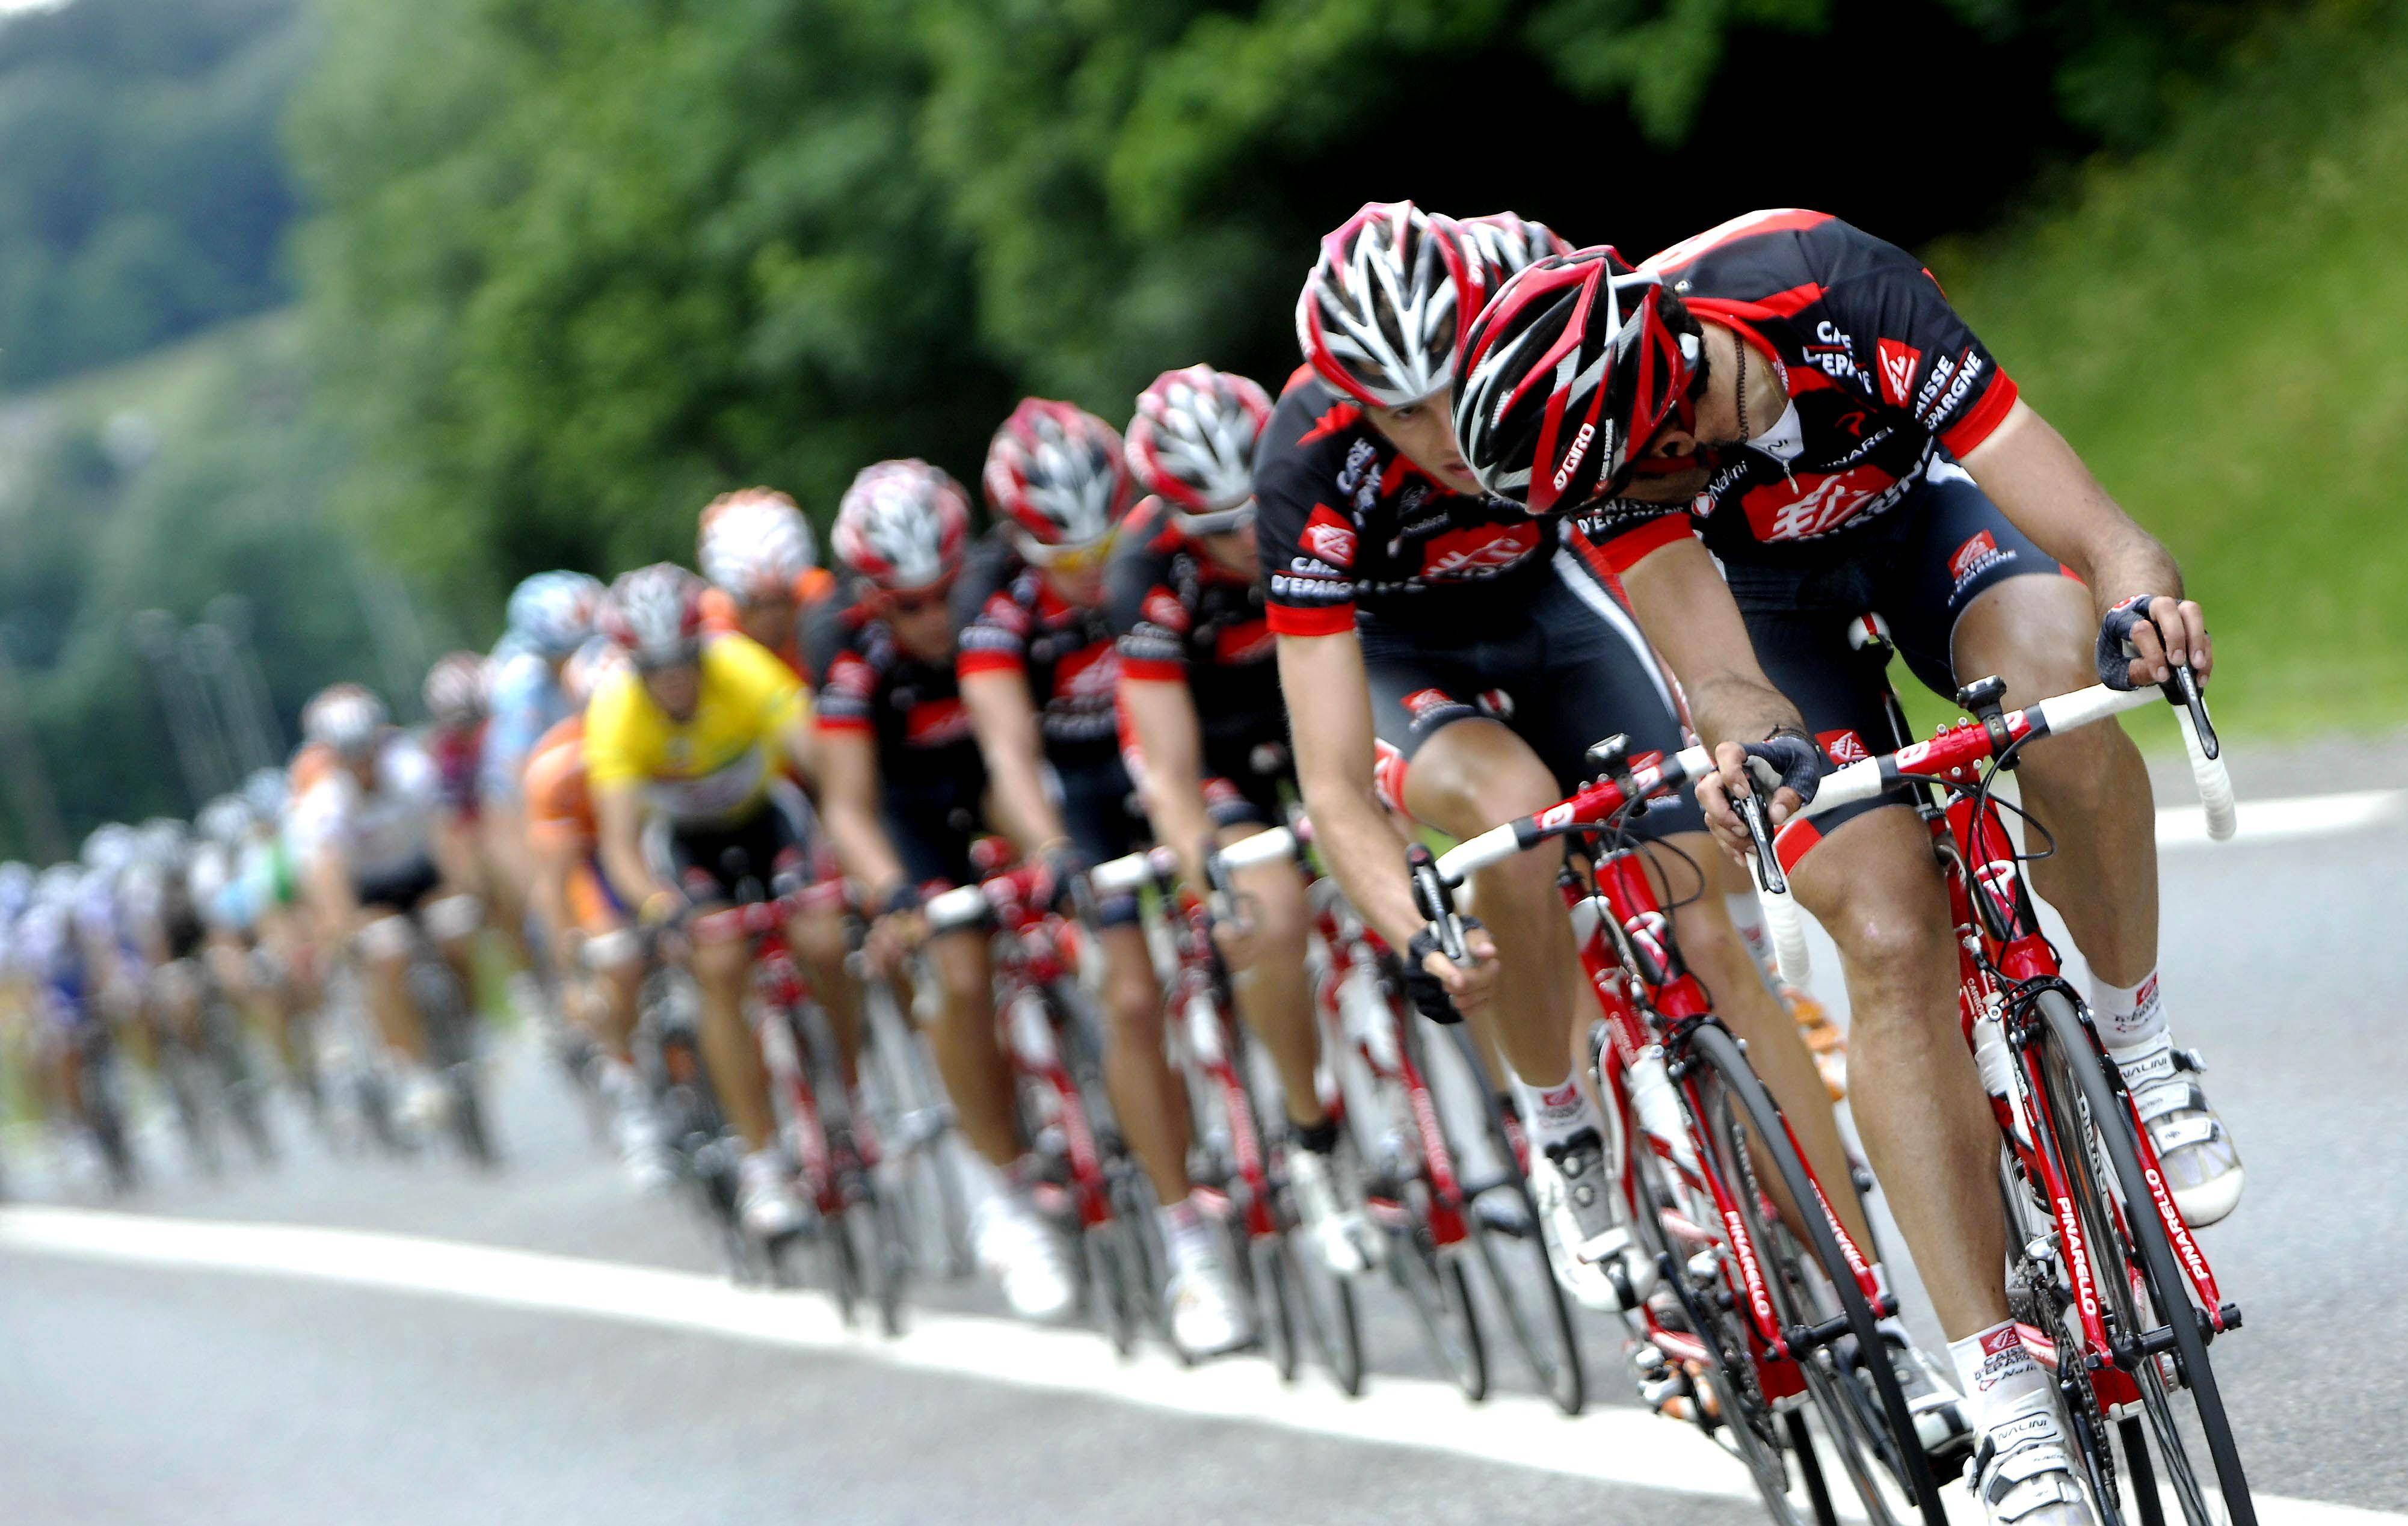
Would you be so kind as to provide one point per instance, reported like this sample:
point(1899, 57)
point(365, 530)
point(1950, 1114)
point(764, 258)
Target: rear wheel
point(2160, 1333)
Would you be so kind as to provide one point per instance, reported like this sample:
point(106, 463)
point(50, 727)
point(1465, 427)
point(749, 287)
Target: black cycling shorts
point(933, 827)
point(1919, 566)
point(1100, 810)
point(739, 860)
point(1569, 670)
point(399, 890)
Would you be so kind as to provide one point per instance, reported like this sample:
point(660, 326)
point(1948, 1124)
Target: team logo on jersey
point(848, 674)
point(1820, 504)
point(1247, 641)
point(1477, 551)
point(1842, 746)
point(1898, 363)
point(1329, 538)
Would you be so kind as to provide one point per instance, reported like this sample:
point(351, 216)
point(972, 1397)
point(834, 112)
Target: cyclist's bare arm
point(331, 896)
point(1162, 713)
point(849, 796)
point(2033, 476)
point(800, 744)
point(619, 825)
point(1004, 720)
point(1323, 676)
point(1687, 611)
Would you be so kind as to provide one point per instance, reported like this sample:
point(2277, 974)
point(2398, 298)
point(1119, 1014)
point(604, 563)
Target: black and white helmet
point(346, 717)
point(1510, 243)
point(654, 615)
point(1384, 309)
point(1192, 444)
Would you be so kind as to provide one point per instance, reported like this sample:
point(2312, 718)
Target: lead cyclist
point(1800, 400)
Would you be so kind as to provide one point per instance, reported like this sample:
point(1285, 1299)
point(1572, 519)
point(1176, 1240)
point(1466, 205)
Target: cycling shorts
point(933, 827)
point(1248, 772)
point(739, 861)
point(1099, 808)
point(1566, 670)
point(400, 889)
point(593, 905)
point(1920, 566)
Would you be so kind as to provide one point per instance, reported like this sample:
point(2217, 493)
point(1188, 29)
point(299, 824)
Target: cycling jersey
point(382, 833)
point(458, 753)
point(1884, 378)
point(527, 700)
point(1013, 622)
point(1181, 617)
point(931, 777)
point(714, 767)
point(558, 804)
point(1346, 522)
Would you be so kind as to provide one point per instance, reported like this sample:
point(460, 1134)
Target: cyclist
point(363, 836)
point(1038, 670)
point(49, 953)
point(1418, 617)
point(601, 960)
point(697, 731)
point(902, 785)
point(549, 617)
point(456, 715)
point(755, 549)
point(1206, 735)
point(1800, 400)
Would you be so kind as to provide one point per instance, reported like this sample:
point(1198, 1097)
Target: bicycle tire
point(1431, 1277)
point(1847, 1426)
point(1544, 1334)
point(1274, 1288)
point(2072, 1053)
point(915, 1129)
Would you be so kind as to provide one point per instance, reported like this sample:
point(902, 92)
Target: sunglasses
point(1068, 558)
point(912, 601)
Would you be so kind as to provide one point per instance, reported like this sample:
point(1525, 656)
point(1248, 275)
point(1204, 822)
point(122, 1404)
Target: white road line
point(2279, 821)
point(1613, 1446)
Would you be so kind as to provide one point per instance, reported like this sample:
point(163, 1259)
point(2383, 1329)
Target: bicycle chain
point(2077, 1379)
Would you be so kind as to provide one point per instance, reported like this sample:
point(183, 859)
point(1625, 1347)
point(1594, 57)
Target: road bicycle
point(1766, 1311)
point(2110, 1285)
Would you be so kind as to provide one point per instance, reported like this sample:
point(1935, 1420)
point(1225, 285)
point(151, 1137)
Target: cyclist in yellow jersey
point(699, 732)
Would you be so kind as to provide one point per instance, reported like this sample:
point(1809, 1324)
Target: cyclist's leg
point(2010, 610)
point(1272, 985)
point(721, 962)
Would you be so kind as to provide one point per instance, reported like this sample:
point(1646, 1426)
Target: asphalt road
point(362, 1382)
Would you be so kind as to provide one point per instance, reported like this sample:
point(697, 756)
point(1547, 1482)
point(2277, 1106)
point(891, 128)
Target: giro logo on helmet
point(1572, 456)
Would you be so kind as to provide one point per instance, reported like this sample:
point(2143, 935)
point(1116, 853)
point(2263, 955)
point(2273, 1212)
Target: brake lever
point(2182, 689)
point(1769, 876)
point(1435, 901)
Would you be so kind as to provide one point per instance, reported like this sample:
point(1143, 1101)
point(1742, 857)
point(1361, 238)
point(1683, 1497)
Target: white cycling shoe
point(2023, 1475)
point(423, 1104)
point(1334, 1225)
point(1026, 1255)
point(765, 1200)
point(1942, 1421)
point(1207, 1314)
point(643, 1151)
point(2202, 1168)
point(1588, 1244)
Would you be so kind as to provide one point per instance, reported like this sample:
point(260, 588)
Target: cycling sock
point(1554, 1114)
point(2001, 1381)
point(1747, 920)
point(1183, 1228)
point(1319, 1139)
point(2127, 1016)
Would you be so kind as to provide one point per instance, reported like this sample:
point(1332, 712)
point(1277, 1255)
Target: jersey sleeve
point(1924, 360)
point(1621, 533)
point(1149, 622)
point(844, 685)
point(994, 625)
point(615, 730)
point(1307, 544)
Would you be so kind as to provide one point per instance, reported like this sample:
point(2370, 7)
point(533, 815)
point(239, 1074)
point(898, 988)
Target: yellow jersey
point(716, 765)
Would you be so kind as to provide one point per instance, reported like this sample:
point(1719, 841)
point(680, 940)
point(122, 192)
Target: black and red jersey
point(1884, 378)
point(1179, 617)
point(1346, 522)
point(1011, 621)
point(863, 682)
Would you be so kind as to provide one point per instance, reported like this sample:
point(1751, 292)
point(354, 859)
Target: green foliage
point(142, 194)
point(2216, 328)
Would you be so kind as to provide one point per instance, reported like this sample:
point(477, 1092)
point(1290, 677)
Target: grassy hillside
point(2221, 328)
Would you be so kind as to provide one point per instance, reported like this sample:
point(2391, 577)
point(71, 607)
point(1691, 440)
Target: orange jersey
point(558, 803)
point(719, 614)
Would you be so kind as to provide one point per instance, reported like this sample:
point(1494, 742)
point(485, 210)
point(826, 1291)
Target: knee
point(719, 965)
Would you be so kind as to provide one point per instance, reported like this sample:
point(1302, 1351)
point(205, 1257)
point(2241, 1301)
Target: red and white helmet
point(654, 615)
point(903, 525)
point(1058, 473)
point(454, 691)
point(1383, 311)
point(1566, 377)
point(1509, 244)
point(346, 717)
point(754, 544)
point(1192, 443)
